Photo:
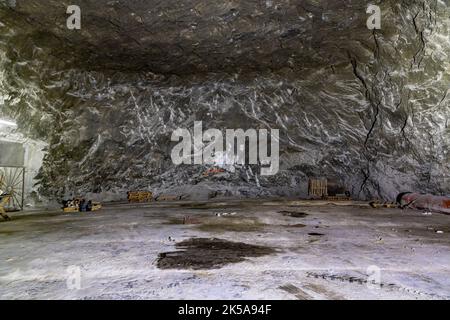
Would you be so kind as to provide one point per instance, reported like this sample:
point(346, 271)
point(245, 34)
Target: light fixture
point(8, 123)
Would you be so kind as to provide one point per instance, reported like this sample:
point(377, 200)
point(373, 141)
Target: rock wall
point(369, 109)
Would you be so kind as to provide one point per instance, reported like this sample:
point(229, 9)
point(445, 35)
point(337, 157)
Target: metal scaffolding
point(12, 182)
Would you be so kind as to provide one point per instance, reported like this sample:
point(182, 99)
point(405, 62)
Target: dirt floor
point(226, 250)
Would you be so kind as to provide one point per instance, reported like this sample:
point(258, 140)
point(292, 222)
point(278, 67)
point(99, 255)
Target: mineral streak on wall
point(425, 202)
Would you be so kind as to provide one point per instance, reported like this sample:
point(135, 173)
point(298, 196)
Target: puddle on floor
point(209, 253)
point(293, 214)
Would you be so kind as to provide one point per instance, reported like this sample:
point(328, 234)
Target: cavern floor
point(294, 250)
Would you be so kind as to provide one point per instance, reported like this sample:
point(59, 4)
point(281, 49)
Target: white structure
point(18, 153)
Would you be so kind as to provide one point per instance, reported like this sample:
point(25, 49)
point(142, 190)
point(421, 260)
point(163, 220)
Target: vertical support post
point(23, 186)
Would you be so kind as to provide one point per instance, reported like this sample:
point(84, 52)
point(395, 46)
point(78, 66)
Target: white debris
point(226, 214)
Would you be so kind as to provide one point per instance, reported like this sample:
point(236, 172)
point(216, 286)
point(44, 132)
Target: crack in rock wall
point(369, 109)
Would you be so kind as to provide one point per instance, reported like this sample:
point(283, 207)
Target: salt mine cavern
point(225, 150)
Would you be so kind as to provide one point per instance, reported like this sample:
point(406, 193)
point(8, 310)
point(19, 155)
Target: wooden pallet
point(140, 196)
point(318, 187)
point(379, 204)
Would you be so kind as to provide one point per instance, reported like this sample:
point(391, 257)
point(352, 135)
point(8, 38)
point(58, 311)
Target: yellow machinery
point(74, 206)
point(96, 206)
point(4, 199)
point(71, 209)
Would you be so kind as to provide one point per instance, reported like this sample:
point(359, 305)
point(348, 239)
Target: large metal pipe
point(424, 202)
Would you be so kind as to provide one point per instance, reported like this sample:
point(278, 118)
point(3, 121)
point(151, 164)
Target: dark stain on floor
point(297, 292)
point(209, 253)
point(293, 214)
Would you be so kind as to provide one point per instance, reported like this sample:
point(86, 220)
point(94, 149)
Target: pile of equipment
point(4, 199)
point(80, 205)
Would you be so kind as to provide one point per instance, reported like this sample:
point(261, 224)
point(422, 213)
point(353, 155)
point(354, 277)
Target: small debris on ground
point(378, 204)
point(224, 214)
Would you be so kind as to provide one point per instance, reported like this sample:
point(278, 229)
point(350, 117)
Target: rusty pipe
point(424, 202)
